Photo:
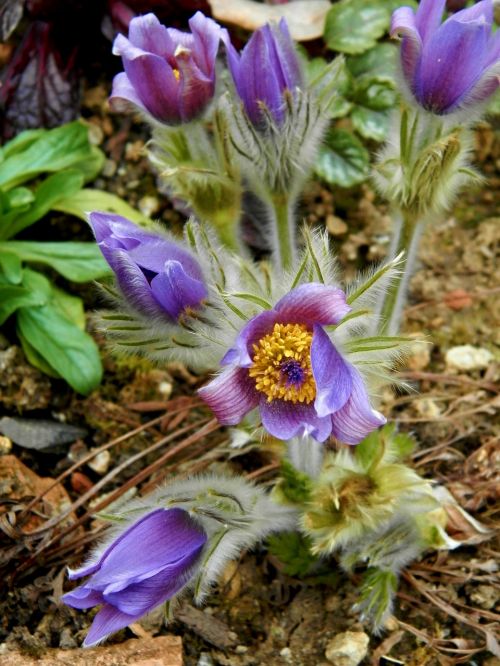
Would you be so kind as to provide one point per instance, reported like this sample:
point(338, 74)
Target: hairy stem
point(405, 240)
point(283, 230)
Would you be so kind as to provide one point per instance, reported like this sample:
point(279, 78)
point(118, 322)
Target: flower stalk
point(283, 231)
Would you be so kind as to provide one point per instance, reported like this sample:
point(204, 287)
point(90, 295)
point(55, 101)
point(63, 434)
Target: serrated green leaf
point(371, 124)
point(87, 200)
point(353, 26)
point(343, 160)
point(55, 187)
point(374, 92)
point(76, 261)
point(52, 151)
point(381, 60)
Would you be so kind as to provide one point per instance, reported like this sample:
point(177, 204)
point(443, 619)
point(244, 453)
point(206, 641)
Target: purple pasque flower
point(448, 65)
point(147, 564)
point(284, 363)
point(267, 66)
point(168, 73)
point(156, 276)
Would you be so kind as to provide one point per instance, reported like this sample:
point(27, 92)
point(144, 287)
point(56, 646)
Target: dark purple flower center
point(292, 372)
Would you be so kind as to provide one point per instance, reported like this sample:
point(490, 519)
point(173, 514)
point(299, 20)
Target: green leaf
point(353, 26)
point(19, 197)
point(381, 60)
point(374, 92)
point(76, 261)
point(13, 297)
point(68, 350)
point(11, 266)
point(52, 189)
point(90, 167)
point(56, 149)
point(371, 124)
point(70, 306)
point(343, 160)
point(86, 200)
point(493, 108)
point(294, 485)
point(20, 142)
point(293, 550)
point(34, 358)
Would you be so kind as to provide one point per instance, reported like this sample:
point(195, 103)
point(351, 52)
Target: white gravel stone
point(347, 649)
point(101, 462)
point(467, 357)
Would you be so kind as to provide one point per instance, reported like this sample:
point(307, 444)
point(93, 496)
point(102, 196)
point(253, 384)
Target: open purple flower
point(284, 363)
point(168, 73)
point(146, 565)
point(267, 66)
point(450, 65)
point(156, 276)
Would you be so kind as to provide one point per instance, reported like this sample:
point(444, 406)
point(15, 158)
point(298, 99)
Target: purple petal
point(123, 93)
point(452, 63)
point(159, 539)
point(428, 17)
point(134, 284)
point(403, 25)
point(118, 231)
point(195, 89)
point(313, 303)
point(82, 597)
point(285, 419)
point(230, 395)
point(207, 35)
point(152, 78)
point(356, 419)
point(148, 34)
point(139, 598)
point(331, 374)
point(155, 250)
point(285, 50)
point(241, 353)
point(107, 621)
point(175, 290)
point(480, 10)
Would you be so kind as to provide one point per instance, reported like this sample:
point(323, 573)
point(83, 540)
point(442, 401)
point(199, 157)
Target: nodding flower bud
point(264, 70)
point(144, 566)
point(168, 74)
point(156, 276)
point(451, 65)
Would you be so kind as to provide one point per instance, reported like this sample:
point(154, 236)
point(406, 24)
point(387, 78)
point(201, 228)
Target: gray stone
point(39, 434)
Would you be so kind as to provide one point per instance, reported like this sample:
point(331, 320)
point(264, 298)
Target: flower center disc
point(282, 364)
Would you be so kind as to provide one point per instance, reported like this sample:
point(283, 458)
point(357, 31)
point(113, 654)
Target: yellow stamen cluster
point(287, 342)
point(177, 74)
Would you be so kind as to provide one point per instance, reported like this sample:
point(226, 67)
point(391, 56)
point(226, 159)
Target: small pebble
point(347, 649)
point(335, 226)
point(101, 462)
point(420, 355)
point(241, 649)
point(109, 168)
point(149, 205)
point(286, 653)
point(5, 445)
point(165, 388)
point(427, 408)
point(205, 659)
point(467, 357)
point(96, 135)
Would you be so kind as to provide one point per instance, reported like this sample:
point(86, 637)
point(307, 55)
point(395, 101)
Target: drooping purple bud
point(450, 65)
point(169, 74)
point(267, 66)
point(144, 566)
point(156, 276)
